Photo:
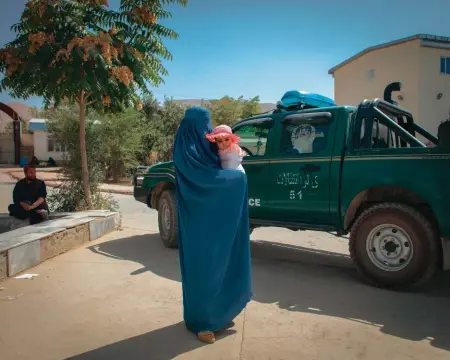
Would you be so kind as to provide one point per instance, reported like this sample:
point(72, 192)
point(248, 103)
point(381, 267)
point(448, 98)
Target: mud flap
point(445, 254)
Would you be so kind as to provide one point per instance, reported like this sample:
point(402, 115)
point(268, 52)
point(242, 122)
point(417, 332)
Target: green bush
point(159, 129)
point(121, 141)
point(63, 126)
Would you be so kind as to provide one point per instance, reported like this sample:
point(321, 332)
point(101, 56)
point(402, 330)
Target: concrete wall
point(432, 110)
point(41, 147)
point(27, 139)
point(6, 148)
point(353, 84)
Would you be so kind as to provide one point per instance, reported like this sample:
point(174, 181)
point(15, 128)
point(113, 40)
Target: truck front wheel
point(394, 246)
point(168, 219)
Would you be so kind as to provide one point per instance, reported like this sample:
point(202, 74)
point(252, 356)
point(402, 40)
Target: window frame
point(366, 141)
point(253, 122)
point(445, 65)
point(57, 148)
point(312, 118)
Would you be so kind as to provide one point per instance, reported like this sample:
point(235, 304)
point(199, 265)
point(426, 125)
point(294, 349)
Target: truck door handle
point(310, 168)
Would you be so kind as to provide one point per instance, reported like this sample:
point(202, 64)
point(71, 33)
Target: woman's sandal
point(207, 337)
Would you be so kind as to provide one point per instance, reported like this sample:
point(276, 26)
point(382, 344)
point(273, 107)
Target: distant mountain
point(199, 102)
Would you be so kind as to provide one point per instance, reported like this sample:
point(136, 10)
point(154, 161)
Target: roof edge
point(436, 38)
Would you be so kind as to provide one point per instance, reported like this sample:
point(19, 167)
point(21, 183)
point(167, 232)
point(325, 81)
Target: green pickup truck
point(361, 170)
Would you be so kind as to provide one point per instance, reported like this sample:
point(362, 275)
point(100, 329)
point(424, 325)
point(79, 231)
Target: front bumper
point(141, 194)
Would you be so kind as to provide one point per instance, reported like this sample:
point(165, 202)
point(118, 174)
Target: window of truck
point(254, 135)
point(380, 136)
point(376, 133)
point(304, 134)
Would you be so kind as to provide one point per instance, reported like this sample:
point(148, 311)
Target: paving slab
point(25, 235)
point(23, 257)
point(125, 288)
point(57, 244)
point(100, 226)
point(3, 266)
point(66, 222)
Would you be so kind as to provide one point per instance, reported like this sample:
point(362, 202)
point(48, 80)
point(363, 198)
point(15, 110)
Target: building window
point(445, 65)
point(53, 146)
point(370, 74)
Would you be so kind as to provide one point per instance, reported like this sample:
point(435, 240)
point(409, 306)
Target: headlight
point(139, 180)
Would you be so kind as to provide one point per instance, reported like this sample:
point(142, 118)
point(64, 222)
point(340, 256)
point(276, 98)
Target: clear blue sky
point(262, 47)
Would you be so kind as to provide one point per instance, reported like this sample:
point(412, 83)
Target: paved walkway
point(120, 297)
point(50, 176)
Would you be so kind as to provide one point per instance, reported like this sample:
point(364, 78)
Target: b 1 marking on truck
point(254, 202)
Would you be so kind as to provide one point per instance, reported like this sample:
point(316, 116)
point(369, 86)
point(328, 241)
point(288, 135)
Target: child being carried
point(230, 153)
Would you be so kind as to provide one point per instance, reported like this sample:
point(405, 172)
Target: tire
point(168, 219)
point(404, 231)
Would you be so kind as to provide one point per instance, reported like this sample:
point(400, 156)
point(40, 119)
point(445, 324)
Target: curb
point(54, 184)
point(31, 245)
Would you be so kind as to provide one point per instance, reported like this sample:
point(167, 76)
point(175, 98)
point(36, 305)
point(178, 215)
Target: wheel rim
point(165, 214)
point(389, 247)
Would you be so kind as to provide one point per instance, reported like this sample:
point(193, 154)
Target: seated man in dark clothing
point(29, 198)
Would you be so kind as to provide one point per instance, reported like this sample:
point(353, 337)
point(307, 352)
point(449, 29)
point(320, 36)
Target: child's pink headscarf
point(223, 130)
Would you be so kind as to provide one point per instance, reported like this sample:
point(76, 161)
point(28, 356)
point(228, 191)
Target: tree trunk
point(84, 165)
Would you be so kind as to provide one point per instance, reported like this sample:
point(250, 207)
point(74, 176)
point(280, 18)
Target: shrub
point(63, 125)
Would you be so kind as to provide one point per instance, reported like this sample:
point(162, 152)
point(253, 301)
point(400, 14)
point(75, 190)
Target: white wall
point(432, 82)
point(395, 63)
point(41, 147)
point(415, 66)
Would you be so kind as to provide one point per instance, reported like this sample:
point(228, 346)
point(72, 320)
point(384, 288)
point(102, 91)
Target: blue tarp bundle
point(295, 97)
point(213, 229)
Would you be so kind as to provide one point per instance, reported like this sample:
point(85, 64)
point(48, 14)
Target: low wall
point(28, 245)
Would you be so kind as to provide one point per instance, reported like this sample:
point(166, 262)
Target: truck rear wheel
point(394, 246)
point(168, 219)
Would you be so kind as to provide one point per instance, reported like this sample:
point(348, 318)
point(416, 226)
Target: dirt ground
point(120, 297)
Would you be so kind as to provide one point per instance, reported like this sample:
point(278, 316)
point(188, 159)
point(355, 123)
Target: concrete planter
point(28, 245)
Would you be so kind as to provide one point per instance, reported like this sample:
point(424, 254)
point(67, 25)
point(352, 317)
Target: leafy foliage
point(82, 51)
point(64, 126)
point(228, 110)
point(159, 129)
point(121, 136)
point(64, 47)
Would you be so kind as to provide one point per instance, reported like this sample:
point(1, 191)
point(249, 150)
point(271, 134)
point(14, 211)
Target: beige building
point(420, 62)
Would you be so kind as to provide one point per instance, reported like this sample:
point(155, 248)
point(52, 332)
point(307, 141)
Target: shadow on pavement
point(314, 281)
point(161, 344)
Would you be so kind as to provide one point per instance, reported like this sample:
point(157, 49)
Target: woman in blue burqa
point(213, 230)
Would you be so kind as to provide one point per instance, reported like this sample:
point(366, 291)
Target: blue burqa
point(213, 229)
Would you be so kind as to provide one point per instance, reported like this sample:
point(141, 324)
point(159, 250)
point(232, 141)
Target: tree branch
point(86, 95)
point(91, 102)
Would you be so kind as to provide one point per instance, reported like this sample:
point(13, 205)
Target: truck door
point(300, 170)
point(256, 135)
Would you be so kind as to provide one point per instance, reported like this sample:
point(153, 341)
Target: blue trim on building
point(37, 126)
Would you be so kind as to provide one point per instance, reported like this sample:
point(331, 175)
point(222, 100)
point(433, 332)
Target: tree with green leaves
point(83, 52)
point(228, 110)
point(250, 107)
point(121, 136)
point(64, 126)
point(159, 129)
